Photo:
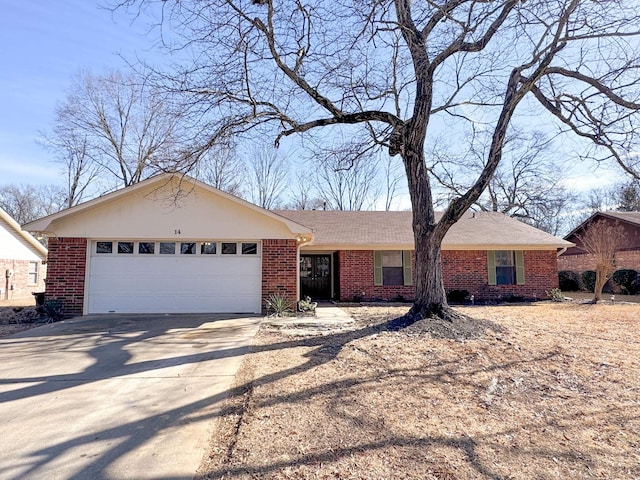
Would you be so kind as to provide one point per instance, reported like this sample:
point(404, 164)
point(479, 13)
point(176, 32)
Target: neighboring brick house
point(628, 255)
point(22, 261)
point(174, 244)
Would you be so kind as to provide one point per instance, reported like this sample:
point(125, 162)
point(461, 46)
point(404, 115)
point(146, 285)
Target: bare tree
point(25, 203)
point(348, 185)
point(401, 71)
point(113, 127)
point(303, 194)
point(221, 167)
point(393, 180)
point(601, 240)
point(526, 185)
point(71, 149)
point(267, 177)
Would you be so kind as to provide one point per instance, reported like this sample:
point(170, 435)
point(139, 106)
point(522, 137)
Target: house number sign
point(177, 232)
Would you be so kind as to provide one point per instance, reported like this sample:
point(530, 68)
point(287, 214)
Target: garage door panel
point(175, 283)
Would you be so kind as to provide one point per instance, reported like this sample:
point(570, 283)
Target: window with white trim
point(33, 273)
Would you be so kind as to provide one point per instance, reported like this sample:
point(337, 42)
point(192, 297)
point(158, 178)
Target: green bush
point(627, 280)
point(278, 306)
point(569, 281)
point(589, 280)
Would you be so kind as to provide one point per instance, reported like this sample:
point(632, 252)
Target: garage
point(170, 244)
point(188, 276)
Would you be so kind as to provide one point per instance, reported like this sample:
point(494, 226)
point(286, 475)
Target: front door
point(315, 276)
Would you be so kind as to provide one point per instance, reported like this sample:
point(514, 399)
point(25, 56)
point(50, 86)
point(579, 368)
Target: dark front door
point(315, 276)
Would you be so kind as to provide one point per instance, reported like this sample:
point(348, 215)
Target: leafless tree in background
point(83, 176)
point(527, 185)
point(406, 72)
point(115, 128)
point(266, 178)
point(347, 185)
point(222, 168)
point(393, 180)
point(303, 194)
point(601, 240)
point(25, 203)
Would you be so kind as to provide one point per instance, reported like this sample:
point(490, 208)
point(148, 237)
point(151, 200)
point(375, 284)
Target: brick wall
point(19, 286)
point(356, 279)
point(462, 270)
point(279, 269)
point(580, 263)
point(467, 270)
point(66, 272)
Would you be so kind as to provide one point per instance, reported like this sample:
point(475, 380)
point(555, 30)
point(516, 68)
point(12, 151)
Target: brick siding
point(462, 270)
point(66, 272)
point(579, 263)
point(279, 269)
point(356, 279)
point(467, 270)
point(18, 287)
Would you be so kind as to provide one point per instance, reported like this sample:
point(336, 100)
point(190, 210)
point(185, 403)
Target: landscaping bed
point(17, 316)
point(539, 391)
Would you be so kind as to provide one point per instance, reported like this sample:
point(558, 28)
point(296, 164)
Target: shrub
point(278, 305)
point(626, 279)
point(555, 294)
point(589, 280)
point(569, 281)
point(457, 296)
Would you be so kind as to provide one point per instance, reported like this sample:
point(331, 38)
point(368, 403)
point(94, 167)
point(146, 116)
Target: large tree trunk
point(430, 297)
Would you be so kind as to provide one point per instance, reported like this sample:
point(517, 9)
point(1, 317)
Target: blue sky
point(45, 42)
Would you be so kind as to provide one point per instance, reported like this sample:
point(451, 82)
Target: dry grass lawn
point(553, 391)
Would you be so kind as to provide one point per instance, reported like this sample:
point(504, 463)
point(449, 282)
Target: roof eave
point(410, 246)
point(40, 249)
point(43, 224)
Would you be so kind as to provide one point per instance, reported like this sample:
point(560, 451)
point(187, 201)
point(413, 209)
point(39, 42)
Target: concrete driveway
point(115, 396)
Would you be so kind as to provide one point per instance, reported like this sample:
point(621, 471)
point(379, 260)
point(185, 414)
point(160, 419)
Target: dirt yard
point(548, 391)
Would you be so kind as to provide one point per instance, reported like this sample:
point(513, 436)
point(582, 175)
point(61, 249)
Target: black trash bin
point(39, 298)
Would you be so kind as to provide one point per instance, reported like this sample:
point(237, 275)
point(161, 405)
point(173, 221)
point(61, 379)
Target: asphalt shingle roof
point(365, 228)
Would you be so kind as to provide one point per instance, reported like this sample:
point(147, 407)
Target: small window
point(392, 268)
point(229, 248)
point(33, 273)
point(146, 248)
point(104, 247)
point(208, 248)
point(125, 247)
point(505, 268)
point(188, 248)
point(250, 248)
point(167, 248)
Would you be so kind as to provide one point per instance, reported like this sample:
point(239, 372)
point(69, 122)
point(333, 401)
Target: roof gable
point(168, 206)
point(17, 244)
point(630, 218)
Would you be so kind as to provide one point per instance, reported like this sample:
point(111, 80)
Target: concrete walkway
point(328, 318)
point(116, 397)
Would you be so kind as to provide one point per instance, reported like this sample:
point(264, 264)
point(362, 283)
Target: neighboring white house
point(22, 260)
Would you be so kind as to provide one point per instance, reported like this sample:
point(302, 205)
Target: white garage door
point(174, 277)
